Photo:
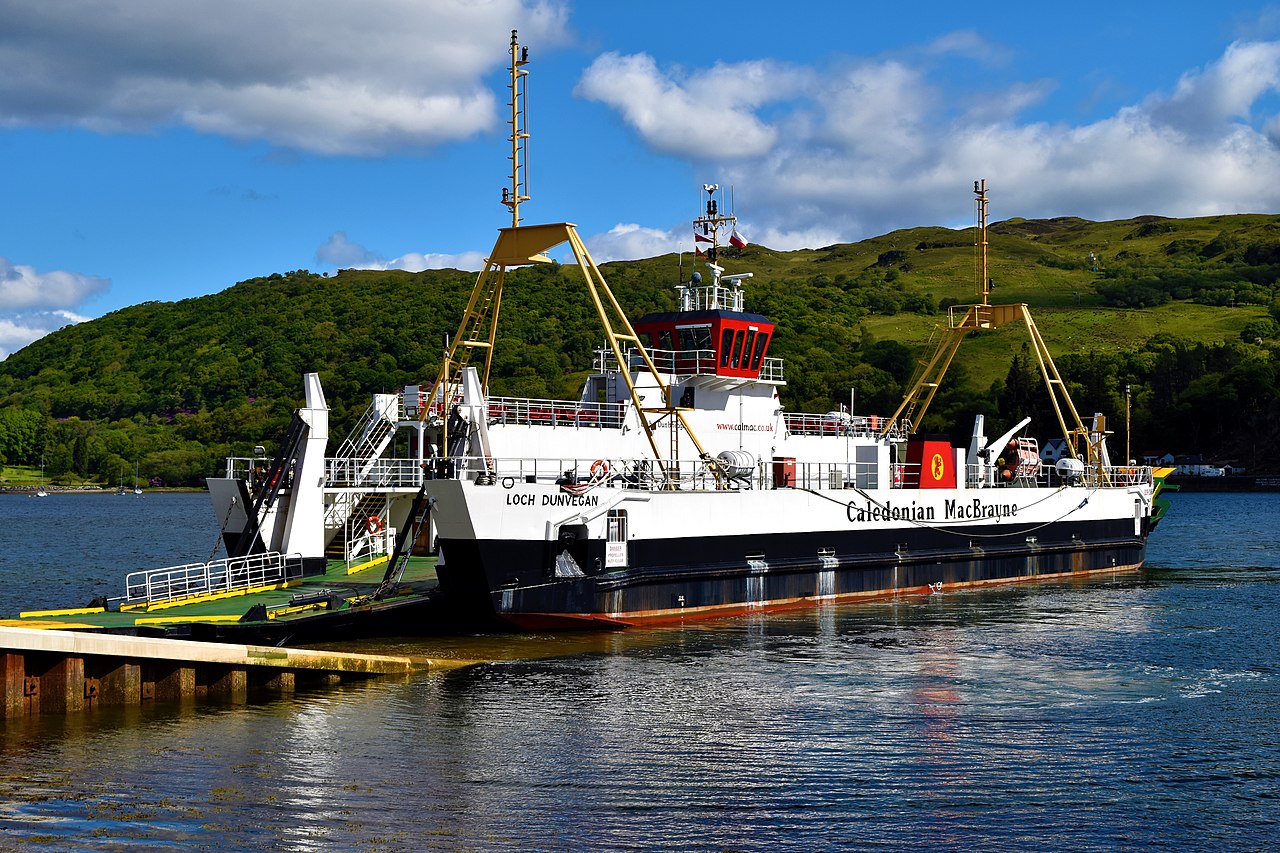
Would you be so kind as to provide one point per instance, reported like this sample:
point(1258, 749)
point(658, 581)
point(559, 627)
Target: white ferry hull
point(698, 554)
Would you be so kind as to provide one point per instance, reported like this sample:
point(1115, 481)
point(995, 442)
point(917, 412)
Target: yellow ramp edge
point(66, 611)
point(369, 565)
point(174, 620)
point(48, 625)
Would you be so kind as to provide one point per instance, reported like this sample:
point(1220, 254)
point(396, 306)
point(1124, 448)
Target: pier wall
point(61, 672)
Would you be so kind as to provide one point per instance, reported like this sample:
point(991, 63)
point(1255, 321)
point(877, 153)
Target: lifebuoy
point(897, 476)
point(599, 469)
point(374, 524)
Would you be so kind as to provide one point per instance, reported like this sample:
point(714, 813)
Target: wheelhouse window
point(748, 347)
point(695, 337)
point(762, 341)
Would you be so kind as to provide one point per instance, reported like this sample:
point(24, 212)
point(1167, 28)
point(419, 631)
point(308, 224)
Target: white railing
point(700, 362)
point(710, 297)
point(226, 575)
point(372, 474)
point(575, 413)
point(692, 474)
point(247, 467)
point(771, 370)
point(1048, 475)
point(838, 423)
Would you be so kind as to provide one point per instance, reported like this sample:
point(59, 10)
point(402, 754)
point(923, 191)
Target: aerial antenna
point(519, 189)
point(712, 221)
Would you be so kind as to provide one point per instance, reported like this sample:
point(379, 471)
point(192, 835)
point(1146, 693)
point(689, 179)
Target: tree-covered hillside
point(1183, 311)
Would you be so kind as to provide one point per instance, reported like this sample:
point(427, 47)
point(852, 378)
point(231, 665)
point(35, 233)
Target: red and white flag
point(737, 240)
point(700, 238)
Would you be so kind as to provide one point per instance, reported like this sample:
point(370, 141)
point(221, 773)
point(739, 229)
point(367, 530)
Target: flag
point(737, 240)
point(698, 250)
point(700, 238)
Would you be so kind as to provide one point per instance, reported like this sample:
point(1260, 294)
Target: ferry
point(678, 485)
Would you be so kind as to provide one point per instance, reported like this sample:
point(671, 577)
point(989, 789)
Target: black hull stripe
point(515, 579)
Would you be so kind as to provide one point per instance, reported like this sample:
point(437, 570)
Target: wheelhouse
point(712, 342)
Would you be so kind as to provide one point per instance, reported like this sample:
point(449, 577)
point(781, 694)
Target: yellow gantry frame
point(525, 245)
point(979, 317)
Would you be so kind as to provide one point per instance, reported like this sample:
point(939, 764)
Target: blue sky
point(165, 149)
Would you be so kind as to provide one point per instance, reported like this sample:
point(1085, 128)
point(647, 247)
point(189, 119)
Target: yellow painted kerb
point(69, 611)
point(169, 620)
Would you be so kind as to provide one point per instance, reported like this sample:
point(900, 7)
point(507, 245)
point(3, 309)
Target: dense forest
point(1185, 312)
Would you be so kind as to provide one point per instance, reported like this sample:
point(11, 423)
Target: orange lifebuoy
point(897, 476)
point(374, 525)
point(599, 469)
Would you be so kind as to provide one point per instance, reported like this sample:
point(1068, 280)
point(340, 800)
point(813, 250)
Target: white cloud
point(862, 147)
point(18, 330)
point(338, 251)
point(627, 242)
point(1224, 91)
point(34, 303)
point(708, 114)
point(329, 76)
point(23, 287)
point(417, 262)
point(341, 252)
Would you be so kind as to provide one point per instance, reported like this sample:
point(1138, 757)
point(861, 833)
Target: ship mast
point(519, 189)
point(522, 245)
point(964, 319)
point(980, 241)
point(711, 222)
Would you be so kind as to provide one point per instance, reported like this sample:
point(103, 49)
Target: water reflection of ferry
point(678, 485)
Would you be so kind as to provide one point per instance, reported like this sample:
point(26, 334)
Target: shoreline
point(1224, 484)
point(96, 490)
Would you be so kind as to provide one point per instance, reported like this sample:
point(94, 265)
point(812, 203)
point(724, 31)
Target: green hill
point(1183, 310)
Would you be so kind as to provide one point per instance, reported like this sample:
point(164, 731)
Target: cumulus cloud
point(23, 287)
point(865, 146)
point(328, 76)
point(706, 114)
point(338, 251)
point(627, 242)
point(18, 330)
point(34, 303)
point(341, 252)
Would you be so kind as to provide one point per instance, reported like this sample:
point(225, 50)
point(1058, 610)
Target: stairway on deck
point(368, 505)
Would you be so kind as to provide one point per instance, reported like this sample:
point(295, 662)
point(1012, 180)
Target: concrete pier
point(61, 672)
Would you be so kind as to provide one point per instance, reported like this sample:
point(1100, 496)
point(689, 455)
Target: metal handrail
point(701, 362)
point(225, 575)
point(838, 423)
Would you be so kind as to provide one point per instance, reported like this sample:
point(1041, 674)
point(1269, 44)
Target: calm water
point(1140, 713)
